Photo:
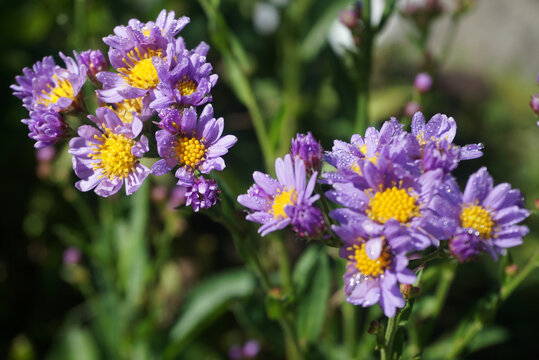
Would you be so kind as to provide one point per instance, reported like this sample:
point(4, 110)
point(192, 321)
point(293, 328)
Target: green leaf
point(207, 302)
point(317, 36)
point(302, 270)
point(489, 336)
point(74, 343)
point(313, 304)
point(132, 249)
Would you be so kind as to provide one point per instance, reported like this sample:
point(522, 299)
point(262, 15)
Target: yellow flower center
point(366, 265)
point(392, 203)
point(283, 198)
point(190, 151)
point(125, 109)
point(186, 86)
point(139, 71)
point(63, 88)
point(113, 156)
point(477, 218)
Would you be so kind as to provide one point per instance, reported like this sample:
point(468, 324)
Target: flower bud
point(534, 103)
point(71, 256)
point(203, 194)
point(422, 82)
point(46, 127)
point(94, 61)
point(309, 150)
point(411, 108)
point(511, 269)
point(374, 328)
point(348, 18)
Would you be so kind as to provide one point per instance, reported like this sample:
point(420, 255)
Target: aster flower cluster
point(289, 199)
point(153, 74)
point(398, 198)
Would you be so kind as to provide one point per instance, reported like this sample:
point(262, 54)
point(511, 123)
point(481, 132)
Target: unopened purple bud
point(251, 349)
point(359, 8)
point(203, 194)
point(348, 18)
point(45, 154)
point(46, 127)
point(422, 82)
point(534, 103)
point(411, 108)
point(71, 255)
point(158, 194)
point(309, 150)
point(94, 61)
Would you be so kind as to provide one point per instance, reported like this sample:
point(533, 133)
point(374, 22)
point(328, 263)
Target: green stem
point(293, 351)
point(284, 264)
point(391, 329)
point(446, 279)
point(508, 289)
point(470, 327)
point(80, 23)
point(439, 253)
point(233, 53)
point(349, 326)
point(364, 63)
point(388, 10)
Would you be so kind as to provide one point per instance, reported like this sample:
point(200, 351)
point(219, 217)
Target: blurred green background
point(485, 84)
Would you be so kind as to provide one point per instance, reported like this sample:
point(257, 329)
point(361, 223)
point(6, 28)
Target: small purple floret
point(309, 150)
point(46, 127)
point(94, 61)
point(203, 194)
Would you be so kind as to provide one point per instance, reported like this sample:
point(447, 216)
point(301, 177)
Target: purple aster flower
point(48, 86)
point(128, 108)
point(166, 25)
point(376, 264)
point(393, 195)
point(107, 158)
point(46, 127)
point(203, 194)
point(197, 145)
point(309, 150)
point(390, 142)
point(188, 83)
point(134, 49)
point(487, 216)
point(422, 82)
point(274, 203)
point(440, 132)
point(93, 60)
